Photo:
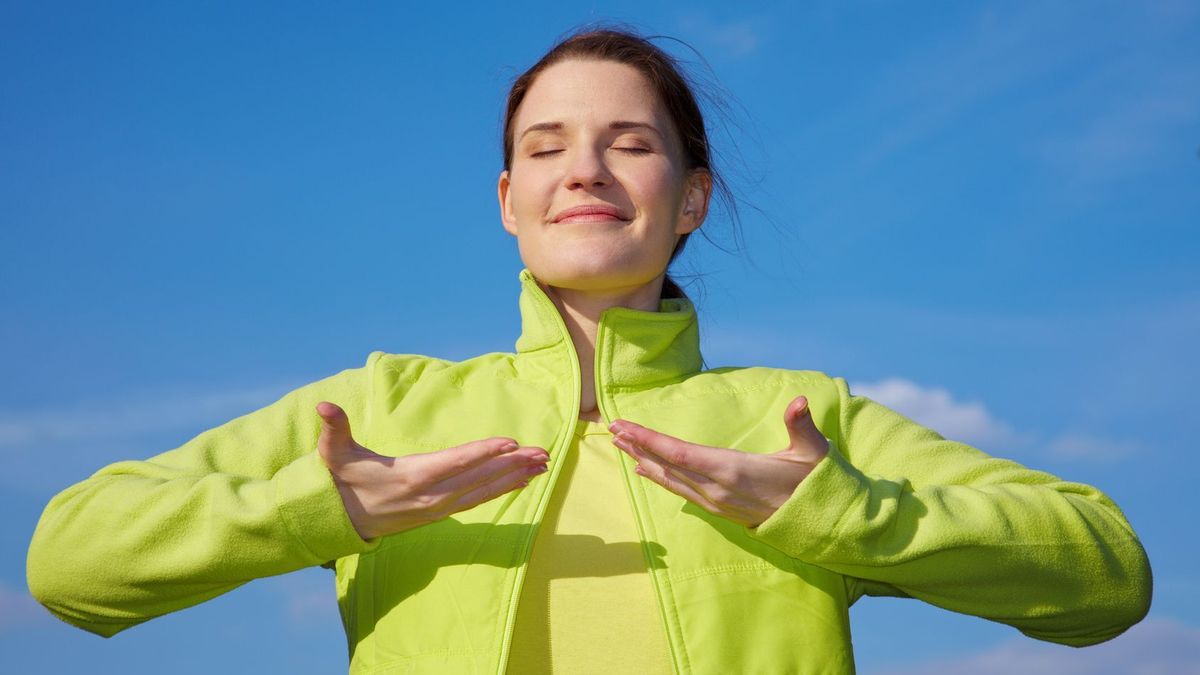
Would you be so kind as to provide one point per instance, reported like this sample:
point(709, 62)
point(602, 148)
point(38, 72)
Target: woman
point(699, 547)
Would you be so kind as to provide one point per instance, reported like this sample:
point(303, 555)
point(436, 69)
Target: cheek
point(658, 189)
point(530, 182)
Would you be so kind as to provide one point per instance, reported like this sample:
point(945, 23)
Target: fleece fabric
point(895, 509)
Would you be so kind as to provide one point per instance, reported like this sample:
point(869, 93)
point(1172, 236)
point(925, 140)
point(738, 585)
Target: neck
point(581, 310)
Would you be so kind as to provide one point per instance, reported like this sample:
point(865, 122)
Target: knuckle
point(461, 462)
point(718, 494)
point(680, 454)
point(428, 502)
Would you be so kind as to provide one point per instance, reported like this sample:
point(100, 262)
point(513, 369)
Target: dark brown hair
point(666, 78)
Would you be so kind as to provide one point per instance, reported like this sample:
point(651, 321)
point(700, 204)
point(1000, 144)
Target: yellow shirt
point(587, 605)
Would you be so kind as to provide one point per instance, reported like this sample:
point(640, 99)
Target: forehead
point(590, 91)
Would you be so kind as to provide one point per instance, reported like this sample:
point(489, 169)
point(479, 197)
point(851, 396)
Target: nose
point(587, 169)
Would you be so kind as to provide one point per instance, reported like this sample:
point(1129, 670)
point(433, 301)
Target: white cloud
point(131, 418)
point(972, 423)
point(936, 408)
point(1156, 646)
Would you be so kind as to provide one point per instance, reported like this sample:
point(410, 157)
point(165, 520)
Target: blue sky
point(982, 214)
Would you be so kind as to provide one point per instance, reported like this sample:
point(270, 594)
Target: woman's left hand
point(741, 486)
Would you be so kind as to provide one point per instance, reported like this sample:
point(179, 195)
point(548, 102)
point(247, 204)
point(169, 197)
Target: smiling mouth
point(590, 213)
point(591, 218)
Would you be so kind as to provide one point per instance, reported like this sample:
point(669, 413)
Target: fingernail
point(509, 447)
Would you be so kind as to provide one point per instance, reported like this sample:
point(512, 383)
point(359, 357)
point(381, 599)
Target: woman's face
point(597, 195)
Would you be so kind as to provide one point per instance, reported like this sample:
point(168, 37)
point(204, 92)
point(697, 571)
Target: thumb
point(803, 434)
point(335, 439)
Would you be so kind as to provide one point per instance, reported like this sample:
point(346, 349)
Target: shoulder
point(405, 370)
point(761, 381)
point(746, 388)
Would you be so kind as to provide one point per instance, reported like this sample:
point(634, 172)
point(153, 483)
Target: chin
point(594, 277)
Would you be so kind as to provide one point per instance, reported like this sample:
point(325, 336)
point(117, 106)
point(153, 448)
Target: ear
point(695, 202)
point(506, 213)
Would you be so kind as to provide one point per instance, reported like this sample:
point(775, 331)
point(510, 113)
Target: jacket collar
point(634, 348)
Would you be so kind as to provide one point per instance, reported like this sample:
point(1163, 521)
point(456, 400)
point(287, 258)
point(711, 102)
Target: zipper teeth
point(551, 479)
point(639, 521)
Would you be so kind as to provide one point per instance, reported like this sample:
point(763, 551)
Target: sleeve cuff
point(313, 512)
point(807, 523)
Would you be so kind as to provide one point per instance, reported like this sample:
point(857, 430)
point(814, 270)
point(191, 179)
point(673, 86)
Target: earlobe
point(506, 216)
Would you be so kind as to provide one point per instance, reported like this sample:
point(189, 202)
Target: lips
point(589, 213)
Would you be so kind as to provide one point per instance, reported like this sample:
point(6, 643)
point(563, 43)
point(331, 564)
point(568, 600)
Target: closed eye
point(635, 151)
point(544, 153)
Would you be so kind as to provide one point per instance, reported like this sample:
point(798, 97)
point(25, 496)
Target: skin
point(587, 267)
point(574, 146)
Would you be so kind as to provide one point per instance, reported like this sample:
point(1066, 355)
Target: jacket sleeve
point(905, 512)
point(249, 499)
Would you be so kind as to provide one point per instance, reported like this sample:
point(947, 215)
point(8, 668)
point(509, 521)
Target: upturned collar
point(634, 348)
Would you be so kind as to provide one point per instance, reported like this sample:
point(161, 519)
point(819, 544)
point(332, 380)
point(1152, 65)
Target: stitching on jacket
point(715, 570)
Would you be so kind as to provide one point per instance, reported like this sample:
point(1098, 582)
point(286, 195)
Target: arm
point(910, 513)
point(249, 499)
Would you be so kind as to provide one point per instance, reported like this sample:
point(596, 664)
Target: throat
point(592, 415)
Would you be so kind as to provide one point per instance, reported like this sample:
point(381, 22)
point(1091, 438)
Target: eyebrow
point(619, 124)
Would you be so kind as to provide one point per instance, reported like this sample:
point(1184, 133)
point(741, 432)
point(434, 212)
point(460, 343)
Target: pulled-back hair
point(665, 77)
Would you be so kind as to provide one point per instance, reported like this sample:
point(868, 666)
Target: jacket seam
point(286, 519)
point(667, 595)
point(723, 569)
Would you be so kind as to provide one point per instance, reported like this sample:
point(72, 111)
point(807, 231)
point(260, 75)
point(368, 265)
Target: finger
point(702, 459)
point(803, 434)
point(711, 492)
point(500, 484)
point(526, 458)
point(670, 479)
point(644, 457)
point(335, 438)
point(439, 465)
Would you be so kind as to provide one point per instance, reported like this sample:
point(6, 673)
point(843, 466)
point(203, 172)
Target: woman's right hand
point(384, 495)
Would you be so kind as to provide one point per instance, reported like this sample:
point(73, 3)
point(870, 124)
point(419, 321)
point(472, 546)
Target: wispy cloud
point(1157, 646)
point(737, 37)
point(935, 83)
point(1138, 130)
point(1072, 446)
point(19, 609)
point(130, 418)
point(309, 597)
point(1096, 108)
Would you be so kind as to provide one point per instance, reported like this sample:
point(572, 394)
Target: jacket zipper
point(629, 477)
point(551, 480)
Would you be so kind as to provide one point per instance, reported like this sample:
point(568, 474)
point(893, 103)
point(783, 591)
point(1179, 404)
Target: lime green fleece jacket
point(895, 509)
